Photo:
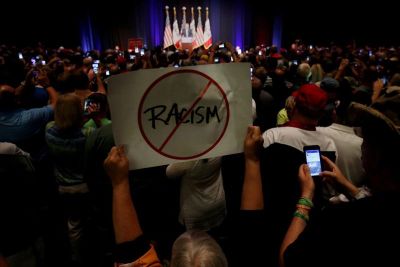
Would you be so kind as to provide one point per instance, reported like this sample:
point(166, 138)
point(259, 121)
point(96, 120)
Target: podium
point(187, 43)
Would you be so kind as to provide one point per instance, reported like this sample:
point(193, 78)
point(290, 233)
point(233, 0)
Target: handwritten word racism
point(164, 114)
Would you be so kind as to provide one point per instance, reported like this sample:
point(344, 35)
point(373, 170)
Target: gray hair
point(197, 249)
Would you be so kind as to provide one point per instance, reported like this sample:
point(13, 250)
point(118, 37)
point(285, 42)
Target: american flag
point(176, 36)
point(207, 33)
point(167, 31)
point(199, 39)
point(193, 32)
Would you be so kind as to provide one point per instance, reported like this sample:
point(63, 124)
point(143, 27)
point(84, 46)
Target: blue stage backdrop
point(234, 21)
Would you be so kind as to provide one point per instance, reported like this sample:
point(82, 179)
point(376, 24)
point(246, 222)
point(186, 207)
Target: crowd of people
point(67, 196)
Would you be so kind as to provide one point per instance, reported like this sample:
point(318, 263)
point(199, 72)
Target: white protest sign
point(175, 114)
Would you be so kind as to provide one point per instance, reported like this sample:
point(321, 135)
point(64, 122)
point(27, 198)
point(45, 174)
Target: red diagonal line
point(186, 115)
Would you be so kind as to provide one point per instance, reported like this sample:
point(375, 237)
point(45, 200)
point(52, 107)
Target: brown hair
point(68, 112)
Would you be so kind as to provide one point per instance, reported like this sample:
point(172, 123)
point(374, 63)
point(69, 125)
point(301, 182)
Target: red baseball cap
point(311, 98)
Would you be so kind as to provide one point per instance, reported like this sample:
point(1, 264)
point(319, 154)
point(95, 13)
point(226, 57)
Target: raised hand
point(117, 166)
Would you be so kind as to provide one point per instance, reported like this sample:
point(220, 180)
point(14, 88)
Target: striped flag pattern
point(176, 35)
point(207, 34)
point(192, 34)
point(167, 32)
point(199, 39)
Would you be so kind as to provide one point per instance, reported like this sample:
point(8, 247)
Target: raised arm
point(252, 194)
point(301, 215)
point(125, 220)
point(131, 246)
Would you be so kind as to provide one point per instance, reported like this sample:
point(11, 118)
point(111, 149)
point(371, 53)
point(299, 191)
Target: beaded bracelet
point(306, 202)
point(302, 216)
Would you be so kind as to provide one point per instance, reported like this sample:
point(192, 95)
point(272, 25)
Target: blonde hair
point(68, 112)
point(197, 249)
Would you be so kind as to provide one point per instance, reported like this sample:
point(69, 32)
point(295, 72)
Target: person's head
point(197, 249)
point(7, 97)
point(77, 80)
point(330, 86)
point(317, 73)
point(380, 125)
point(304, 72)
point(68, 112)
point(289, 105)
point(310, 101)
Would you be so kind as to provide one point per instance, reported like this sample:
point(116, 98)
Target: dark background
point(113, 22)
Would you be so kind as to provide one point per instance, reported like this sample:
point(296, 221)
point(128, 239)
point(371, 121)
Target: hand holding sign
point(166, 115)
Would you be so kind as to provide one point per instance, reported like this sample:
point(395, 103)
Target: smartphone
point(107, 73)
point(43, 62)
point(221, 45)
point(20, 56)
point(90, 103)
point(142, 52)
point(132, 57)
point(216, 60)
point(95, 66)
point(313, 159)
point(86, 106)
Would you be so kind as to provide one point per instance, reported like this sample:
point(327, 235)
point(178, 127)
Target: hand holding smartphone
point(313, 159)
point(90, 106)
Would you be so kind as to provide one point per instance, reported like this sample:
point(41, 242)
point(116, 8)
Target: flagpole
point(183, 27)
point(166, 11)
point(184, 13)
point(174, 13)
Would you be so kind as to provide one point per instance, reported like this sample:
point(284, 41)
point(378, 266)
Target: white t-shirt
point(298, 138)
point(349, 151)
point(202, 197)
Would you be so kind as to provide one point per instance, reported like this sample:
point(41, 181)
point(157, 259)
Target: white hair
point(197, 249)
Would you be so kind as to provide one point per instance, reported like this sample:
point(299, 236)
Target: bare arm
point(176, 170)
point(53, 95)
point(336, 176)
point(125, 220)
point(252, 194)
point(300, 218)
point(100, 85)
point(340, 72)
